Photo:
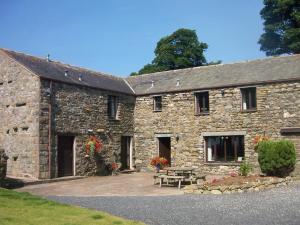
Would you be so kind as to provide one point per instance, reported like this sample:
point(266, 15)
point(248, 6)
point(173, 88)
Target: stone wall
point(277, 106)
point(80, 111)
point(19, 108)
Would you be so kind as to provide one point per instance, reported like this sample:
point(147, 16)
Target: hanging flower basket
point(92, 146)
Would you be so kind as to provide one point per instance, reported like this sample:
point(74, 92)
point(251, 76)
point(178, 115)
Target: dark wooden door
point(65, 155)
point(164, 145)
point(125, 152)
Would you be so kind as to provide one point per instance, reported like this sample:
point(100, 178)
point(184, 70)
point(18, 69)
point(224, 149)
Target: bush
point(3, 164)
point(277, 158)
point(245, 169)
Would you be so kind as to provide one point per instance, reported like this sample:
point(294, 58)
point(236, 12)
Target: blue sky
point(119, 36)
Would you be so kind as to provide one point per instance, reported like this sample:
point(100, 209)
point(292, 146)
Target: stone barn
point(204, 117)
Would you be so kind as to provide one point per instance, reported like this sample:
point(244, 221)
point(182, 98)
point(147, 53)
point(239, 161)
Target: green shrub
point(277, 158)
point(245, 168)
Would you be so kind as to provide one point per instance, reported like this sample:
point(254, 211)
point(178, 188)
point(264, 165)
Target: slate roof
point(266, 70)
point(55, 71)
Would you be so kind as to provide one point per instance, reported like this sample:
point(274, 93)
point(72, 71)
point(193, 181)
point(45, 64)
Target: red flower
point(159, 161)
point(114, 166)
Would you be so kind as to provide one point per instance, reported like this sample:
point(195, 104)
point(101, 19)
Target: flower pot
point(157, 168)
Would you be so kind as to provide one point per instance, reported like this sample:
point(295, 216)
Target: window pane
point(253, 98)
point(248, 98)
point(230, 154)
point(112, 106)
point(157, 103)
point(202, 101)
point(225, 148)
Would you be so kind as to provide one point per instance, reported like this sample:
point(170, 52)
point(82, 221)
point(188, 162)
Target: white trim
point(251, 86)
point(200, 91)
point(131, 153)
point(163, 135)
point(126, 82)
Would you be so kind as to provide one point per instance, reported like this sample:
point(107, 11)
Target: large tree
point(179, 50)
point(281, 27)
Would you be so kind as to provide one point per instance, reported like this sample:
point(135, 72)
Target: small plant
point(277, 158)
point(245, 169)
point(215, 180)
point(114, 168)
point(233, 174)
point(93, 145)
point(159, 162)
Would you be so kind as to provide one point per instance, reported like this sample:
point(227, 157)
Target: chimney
point(177, 82)
point(152, 83)
point(48, 58)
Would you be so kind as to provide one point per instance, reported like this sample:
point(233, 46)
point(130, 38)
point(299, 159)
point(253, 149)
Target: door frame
point(130, 150)
point(73, 153)
point(74, 156)
point(165, 135)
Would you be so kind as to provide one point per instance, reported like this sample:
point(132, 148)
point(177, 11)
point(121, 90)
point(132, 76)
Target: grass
point(18, 208)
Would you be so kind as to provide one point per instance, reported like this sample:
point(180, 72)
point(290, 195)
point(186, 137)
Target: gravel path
point(277, 206)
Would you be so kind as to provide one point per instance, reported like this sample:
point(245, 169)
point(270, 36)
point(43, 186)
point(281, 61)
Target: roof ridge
point(216, 65)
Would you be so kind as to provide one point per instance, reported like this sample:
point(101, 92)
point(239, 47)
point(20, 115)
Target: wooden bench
point(170, 178)
point(156, 176)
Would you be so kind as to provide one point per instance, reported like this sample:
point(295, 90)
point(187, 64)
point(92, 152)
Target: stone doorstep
point(27, 181)
point(128, 171)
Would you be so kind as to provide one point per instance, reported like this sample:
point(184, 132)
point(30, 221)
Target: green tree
point(281, 27)
point(179, 50)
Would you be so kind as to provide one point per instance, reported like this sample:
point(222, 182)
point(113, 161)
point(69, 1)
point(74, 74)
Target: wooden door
point(164, 145)
point(65, 156)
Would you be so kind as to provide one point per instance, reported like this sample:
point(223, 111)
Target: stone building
point(204, 117)
point(49, 109)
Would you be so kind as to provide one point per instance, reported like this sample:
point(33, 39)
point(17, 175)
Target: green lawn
point(25, 209)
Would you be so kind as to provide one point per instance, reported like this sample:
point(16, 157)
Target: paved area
point(134, 196)
point(276, 206)
point(136, 184)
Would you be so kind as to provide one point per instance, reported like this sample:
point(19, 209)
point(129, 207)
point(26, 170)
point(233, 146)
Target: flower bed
point(238, 184)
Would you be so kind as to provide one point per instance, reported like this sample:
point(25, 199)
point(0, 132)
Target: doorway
point(126, 153)
point(65, 156)
point(164, 148)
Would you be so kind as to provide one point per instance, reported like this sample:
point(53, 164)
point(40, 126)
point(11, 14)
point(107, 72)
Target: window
point(202, 103)
point(248, 98)
point(157, 103)
point(224, 148)
point(112, 106)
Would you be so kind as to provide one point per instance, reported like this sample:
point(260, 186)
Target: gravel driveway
point(277, 206)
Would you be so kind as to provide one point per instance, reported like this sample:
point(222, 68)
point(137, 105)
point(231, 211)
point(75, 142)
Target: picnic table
point(179, 174)
point(184, 171)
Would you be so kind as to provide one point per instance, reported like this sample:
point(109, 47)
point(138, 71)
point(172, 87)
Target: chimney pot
point(48, 58)
point(66, 73)
point(152, 83)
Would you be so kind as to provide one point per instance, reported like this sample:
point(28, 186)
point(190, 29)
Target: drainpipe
point(49, 130)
